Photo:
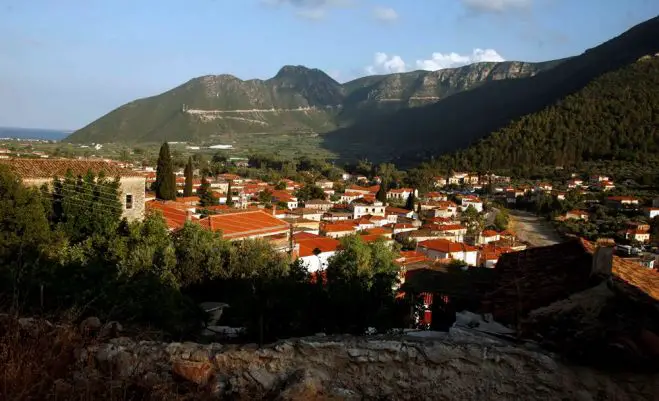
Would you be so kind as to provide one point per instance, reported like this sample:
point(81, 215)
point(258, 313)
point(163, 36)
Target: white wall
point(314, 263)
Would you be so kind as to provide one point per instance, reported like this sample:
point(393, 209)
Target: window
point(129, 201)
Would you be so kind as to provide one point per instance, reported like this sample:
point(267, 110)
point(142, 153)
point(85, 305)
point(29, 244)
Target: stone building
point(36, 172)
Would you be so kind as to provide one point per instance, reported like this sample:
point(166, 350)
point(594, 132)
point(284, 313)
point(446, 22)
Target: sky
point(65, 63)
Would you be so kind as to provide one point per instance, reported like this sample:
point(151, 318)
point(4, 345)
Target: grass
point(39, 362)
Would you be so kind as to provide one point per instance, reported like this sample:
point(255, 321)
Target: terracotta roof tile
point(245, 224)
point(49, 168)
point(446, 246)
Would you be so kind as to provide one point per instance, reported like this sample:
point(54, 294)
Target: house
point(435, 196)
point(401, 194)
point(238, 225)
point(304, 213)
point(37, 172)
point(362, 206)
point(457, 178)
point(445, 249)
point(396, 212)
point(318, 204)
point(303, 225)
point(336, 216)
point(454, 232)
point(637, 232)
point(337, 230)
point(470, 200)
point(439, 209)
point(314, 251)
point(363, 190)
point(285, 197)
point(595, 179)
point(651, 212)
point(576, 215)
point(605, 186)
point(488, 236)
point(439, 182)
point(397, 228)
point(489, 255)
point(543, 187)
point(621, 202)
point(175, 214)
point(325, 184)
point(348, 197)
point(574, 183)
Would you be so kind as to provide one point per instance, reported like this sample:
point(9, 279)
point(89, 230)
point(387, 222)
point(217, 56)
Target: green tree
point(310, 191)
point(205, 193)
point(24, 235)
point(187, 191)
point(86, 206)
point(281, 185)
point(165, 184)
point(501, 220)
point(411, 200)
point(229, 196)
point(381, 195)
point(200, 255)
point(473, 220)
point(265, 197)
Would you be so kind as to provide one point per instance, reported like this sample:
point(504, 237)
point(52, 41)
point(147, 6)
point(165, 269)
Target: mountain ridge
point(308, 98)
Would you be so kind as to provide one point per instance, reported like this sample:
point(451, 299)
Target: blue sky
point(64, 63)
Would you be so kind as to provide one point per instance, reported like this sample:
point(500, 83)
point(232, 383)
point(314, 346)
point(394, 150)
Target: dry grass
point(37, 362)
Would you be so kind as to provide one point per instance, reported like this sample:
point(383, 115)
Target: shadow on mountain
point(458, 121)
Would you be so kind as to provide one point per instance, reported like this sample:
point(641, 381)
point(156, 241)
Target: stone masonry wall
point(454, 367)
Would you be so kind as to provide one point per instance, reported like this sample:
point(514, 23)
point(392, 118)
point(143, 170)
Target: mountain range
point(402, 117)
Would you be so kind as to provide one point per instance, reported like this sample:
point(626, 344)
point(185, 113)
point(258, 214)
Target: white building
point(445, 249)
point(361, 207)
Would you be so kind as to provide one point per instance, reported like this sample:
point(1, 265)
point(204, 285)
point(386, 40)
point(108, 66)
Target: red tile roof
point(307, 245)
point(49, 168)
point(174, 217)
point(408, 257)
point(337, 227)
point(622, 198)
point(373, 189)
point(490, 233)
point(245, 224)
point(446, 246)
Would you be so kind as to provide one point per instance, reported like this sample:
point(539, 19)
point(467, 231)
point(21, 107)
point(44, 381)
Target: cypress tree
point(205, 194)
point(229, 197)
point(165, 185)
point(411, 200)
point(382, 193)
point(187, 191)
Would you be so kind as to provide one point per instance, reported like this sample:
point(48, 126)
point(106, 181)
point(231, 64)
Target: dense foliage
point(65, 249)
point(615, 117)
point(165, 185)
point(189, 178)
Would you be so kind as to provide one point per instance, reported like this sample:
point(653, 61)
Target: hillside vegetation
point(615, 117)
point(462, 119)
point(296, 100)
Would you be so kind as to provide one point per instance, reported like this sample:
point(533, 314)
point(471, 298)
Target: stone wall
point(460, 366)
point(134, 186)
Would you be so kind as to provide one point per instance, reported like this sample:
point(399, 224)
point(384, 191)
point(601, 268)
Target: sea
point(33, 133)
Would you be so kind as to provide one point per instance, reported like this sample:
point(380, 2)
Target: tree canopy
point(165, 184)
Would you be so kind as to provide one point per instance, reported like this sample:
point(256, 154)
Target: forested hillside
point(616, 116)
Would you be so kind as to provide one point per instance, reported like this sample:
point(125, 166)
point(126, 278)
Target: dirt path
point(533, 229)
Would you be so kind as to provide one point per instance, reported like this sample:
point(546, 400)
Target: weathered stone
point(90, 325)
point(264, 378)
point(195, 372)
point(111, 330)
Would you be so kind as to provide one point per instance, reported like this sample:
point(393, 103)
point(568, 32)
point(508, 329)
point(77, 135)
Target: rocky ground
point(93, 361)
point(456, 366)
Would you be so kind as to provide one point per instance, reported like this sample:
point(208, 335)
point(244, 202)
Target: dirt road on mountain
point(533, 229)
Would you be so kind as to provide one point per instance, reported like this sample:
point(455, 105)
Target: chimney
point(188, 215)
point(274, 209)
point(603, 258)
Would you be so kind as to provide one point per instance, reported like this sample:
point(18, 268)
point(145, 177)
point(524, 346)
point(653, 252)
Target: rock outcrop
point(456, 366)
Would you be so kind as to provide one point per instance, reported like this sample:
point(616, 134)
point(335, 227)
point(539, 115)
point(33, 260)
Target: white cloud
point(385, 64)
point(386, 14)
point(495, 6)
point(309, 9)
point(439, 61)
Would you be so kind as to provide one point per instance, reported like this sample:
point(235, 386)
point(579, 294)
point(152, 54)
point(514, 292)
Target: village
point(466, 221)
